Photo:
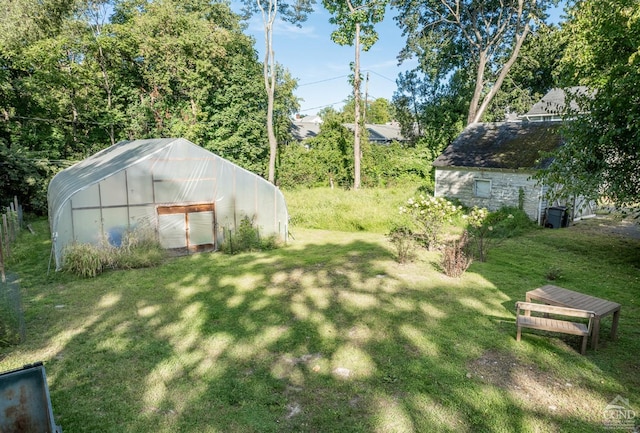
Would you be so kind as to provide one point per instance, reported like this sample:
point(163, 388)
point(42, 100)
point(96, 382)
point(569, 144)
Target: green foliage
point(23, 177)
point(350, 15)
point(534, 73)
point(246, 238)
point(370, 210)
point(553, 273)
point(402, 238)
point(451, 36)
point(74, 80)
point(601, 154)
point(85, 260)
point(139, 249)
point(327, 160)
point(486, 228)
point(431, 113)
point(431, 214)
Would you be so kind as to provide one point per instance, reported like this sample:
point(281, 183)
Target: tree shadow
point(313, 337)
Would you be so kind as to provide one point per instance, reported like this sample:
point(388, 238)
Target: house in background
point(309, 127)
point(552, 105)
point(492, 165)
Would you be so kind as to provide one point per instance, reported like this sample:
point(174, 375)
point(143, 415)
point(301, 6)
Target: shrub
point(139, 248)
point(455, 259)
point(486, 228)
point(430, 214)
point(84, 260)
point(402, 239)
point(247, 238)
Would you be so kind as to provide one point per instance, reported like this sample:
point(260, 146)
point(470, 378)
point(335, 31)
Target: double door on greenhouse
point(187, 227)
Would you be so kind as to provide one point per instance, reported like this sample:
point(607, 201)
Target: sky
point(322, 66)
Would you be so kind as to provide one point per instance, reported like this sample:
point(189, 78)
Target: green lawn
point(329, 334)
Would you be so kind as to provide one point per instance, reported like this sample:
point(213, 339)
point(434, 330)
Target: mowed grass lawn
point(330, 334)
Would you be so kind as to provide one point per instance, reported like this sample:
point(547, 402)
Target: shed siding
point(505, 189)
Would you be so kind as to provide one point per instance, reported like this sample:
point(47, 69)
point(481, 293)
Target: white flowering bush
point(430, 214)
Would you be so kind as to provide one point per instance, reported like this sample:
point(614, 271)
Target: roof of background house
point(554, 102)
point(381, 133)
point(508, 145)
point(303, 130)
point(386, 133)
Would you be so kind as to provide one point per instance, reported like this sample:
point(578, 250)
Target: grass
point(329, 333)
point(366, 210)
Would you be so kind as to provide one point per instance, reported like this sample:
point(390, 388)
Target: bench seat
point(524, 319)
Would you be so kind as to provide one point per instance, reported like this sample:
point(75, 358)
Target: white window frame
point(480, 192)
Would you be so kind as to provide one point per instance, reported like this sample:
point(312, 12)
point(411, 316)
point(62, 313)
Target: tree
point(356, 20)
point(601, 157)
point(447, 35)
point(294, 12)
point(74, 80)
point(377, 111)
point(431, 113)
point(535, 72)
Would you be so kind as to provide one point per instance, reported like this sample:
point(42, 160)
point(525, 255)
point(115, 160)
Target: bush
point(455, 259)
point(84, 260)
point(403, 239)
point(247, 238)
point(486, 228)
point(430, 214)
point(139, 249)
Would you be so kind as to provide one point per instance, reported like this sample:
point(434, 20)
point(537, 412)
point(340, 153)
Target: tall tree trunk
point(356, 96)
point(477, 91)
point(270, 86)
point(503, 74)
point(108, 90)
point(269, 72)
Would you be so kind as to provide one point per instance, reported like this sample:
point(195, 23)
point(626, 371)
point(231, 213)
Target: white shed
point(188, 194)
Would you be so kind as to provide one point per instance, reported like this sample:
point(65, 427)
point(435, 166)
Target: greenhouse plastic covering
point(187, 194)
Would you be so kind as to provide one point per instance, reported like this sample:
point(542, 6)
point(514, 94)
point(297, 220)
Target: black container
point(25, 405)
point(557, 217)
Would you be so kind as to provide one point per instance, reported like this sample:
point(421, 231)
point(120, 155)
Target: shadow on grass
point(314, 337)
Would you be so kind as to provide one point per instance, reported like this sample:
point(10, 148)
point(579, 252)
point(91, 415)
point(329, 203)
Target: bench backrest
point(552, 309)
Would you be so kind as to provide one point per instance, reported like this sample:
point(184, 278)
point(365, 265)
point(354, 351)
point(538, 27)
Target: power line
point(379, 75)
point(344, 76)
point(322, 81)
point(321, 106)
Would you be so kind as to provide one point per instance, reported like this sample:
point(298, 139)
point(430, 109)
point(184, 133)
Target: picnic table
point(554, 295)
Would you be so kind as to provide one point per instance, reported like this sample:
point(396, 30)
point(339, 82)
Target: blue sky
point(322, 67)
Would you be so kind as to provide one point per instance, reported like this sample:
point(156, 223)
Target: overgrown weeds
point(138, 248)
point(247, 238)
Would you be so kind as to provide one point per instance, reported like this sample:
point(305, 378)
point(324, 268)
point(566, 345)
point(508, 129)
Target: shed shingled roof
point(508, 145)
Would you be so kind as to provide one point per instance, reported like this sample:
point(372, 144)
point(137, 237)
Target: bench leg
point(518, 333)
point(614, 325)
point(585, 339)
point(595, 333)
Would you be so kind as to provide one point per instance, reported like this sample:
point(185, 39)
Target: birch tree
point(294, 12)
point(356, 21)
point(446, 35)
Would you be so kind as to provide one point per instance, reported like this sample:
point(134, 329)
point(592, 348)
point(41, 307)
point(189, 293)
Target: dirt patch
point(537, 390)
point(627, 227)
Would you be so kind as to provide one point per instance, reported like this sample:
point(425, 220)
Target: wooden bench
point(524, 319)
